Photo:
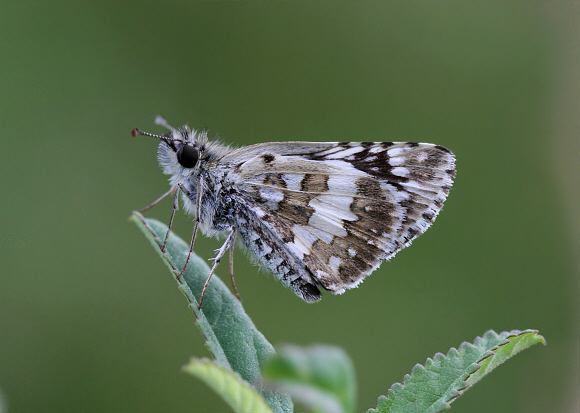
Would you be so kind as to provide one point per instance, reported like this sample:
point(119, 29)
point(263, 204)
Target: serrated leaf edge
point(462, 381)
point(505, 341)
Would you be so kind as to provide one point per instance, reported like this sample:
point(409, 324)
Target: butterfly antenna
point(137, 132)
point(165, 138)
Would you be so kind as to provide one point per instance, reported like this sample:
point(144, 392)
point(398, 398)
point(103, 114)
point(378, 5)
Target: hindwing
point(343, 208)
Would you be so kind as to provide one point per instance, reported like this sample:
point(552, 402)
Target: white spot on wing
point(341, 184)
point(269, 194)
point(293, 181)
point(337, 207)
point(334, 263)
point(330, 151)
point(422, 156)
point(344, 153)
point(329, 227)
point(300, 246)
point(399, 160)
point(394, 152)
point(400, 171)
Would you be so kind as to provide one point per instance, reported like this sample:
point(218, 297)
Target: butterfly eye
point(187, 156)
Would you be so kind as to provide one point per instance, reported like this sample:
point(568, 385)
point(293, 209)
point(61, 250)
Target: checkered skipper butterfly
point(315, 214)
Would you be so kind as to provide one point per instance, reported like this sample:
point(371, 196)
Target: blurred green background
point(90, 319)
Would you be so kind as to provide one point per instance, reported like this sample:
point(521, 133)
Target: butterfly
point(314, 214)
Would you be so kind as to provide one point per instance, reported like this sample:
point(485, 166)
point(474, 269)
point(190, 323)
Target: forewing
point(344, 208)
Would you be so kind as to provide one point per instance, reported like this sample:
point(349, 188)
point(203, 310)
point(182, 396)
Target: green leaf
point(230, 334)
point(508, 344)
point(320, 377)
point(432, 388)
point(235, 391)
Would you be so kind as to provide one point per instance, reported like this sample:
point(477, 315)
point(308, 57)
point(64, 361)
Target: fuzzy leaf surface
point(432, 388)
point(230, 334)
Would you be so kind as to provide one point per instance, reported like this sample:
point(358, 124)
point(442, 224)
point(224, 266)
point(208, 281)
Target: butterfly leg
point(197, 219)
point(175, 208)
point(232, 268)
point(227, 244)
point(152, 204)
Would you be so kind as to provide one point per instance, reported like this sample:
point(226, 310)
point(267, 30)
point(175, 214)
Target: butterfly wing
point(340, 209)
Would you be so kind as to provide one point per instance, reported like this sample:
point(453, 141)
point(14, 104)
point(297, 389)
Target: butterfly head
point(180, 150)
